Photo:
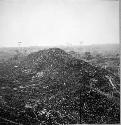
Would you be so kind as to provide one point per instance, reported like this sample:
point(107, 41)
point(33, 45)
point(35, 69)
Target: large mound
point(52, 87)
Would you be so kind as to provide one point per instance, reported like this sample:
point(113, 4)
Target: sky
point(58, 22)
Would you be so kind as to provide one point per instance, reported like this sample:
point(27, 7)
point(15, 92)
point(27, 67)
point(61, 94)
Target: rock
point(71, 90)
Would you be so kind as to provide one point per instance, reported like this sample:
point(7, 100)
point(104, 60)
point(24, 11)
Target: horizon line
point(59, 45)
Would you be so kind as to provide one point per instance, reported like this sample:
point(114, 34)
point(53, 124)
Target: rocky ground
point(52, 87)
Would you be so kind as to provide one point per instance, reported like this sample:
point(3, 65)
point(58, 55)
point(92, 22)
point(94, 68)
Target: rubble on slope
point(52, 87)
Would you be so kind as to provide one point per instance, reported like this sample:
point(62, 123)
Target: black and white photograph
point(59, 62)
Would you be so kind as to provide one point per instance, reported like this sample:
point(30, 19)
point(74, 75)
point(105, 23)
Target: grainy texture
point(52, 87)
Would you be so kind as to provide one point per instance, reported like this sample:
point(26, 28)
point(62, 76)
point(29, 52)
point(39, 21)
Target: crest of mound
point(46, 58)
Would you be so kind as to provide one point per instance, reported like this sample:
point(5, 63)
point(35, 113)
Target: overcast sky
point(58, 22)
